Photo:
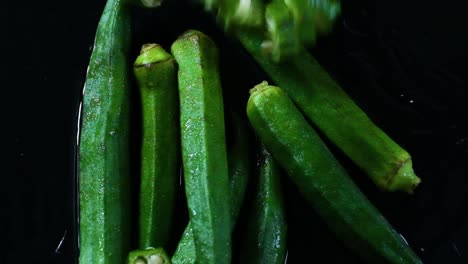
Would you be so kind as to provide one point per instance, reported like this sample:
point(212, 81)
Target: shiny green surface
point(322, 180)
point(204, 146)
point(104, 178)
point(265, 237)
point(241, 13)
point(240, 161)
point(324, 103)
point(282, 31)
point(156, 74)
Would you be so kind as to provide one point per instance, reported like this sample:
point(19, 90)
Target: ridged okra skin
point(203, 145)
point(240, 163)
point(104, 178)
point(327, 105)
point(322, 180)
point(264, 240)
point(156, 74)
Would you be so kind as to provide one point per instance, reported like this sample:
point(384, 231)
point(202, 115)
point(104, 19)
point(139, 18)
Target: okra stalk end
point(259, 87)
point(405, 179)
point(151, 53)
point(149, 256)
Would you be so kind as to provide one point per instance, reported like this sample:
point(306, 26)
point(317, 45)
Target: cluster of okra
point(183, 126)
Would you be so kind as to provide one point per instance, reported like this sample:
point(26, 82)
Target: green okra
point(329, 107)
point(203, 144)
point(156, 74)
point(283, 38)
point(104, 178)
point(312, 17)
point(240, 161)
point(265, 238)
point(149, 256)
point(239, 13)
point(322, 180)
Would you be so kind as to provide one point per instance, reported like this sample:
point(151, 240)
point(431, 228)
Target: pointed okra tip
point(151, 53)
point(405, 179)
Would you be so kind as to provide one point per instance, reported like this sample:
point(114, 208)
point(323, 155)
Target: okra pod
point(203, 144)
point(331, 109)
point(321, 179)
point(104, 177)
point(240, 161)
point(156, 74)
point(264, 240)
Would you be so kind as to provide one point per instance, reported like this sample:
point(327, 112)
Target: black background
point(402, 63)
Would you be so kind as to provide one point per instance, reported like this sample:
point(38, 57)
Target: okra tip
point(151, 53)
point(259, 87)
point(194, 37)
point(192, 33)
point(405, 179)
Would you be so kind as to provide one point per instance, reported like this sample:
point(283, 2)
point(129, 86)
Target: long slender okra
point(324, 102)
point(240, 161)
point(104, 150)
point(322, 180)
point(265, 237)
point(156, 74)
point(149, 256)
point(204, 146)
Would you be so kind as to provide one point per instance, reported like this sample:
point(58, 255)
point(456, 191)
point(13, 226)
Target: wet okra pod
point(156, 74)
point(203, 144)
point(240, 162)
point(104, 177)
point(340, 119)
point(321, 179)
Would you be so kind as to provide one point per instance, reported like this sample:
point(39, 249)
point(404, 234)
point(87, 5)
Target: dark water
point(402, 63)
